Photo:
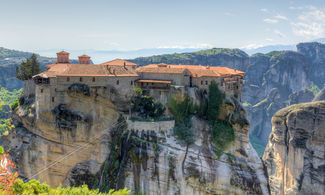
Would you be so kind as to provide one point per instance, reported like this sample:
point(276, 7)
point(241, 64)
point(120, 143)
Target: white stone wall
point(159, 126)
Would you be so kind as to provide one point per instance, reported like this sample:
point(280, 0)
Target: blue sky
point(134, 24)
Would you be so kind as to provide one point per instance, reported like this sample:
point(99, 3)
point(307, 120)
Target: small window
point(206, 82)
point(117, 82)
point(131, 82)
point(52, 99)
point(68, 79)
point(80, 79)
point(41, 90)
point(94, 79)
point(201, 82)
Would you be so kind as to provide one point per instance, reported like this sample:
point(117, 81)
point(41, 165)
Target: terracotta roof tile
point(119, 62)
point(55, 70)
point(195, 70)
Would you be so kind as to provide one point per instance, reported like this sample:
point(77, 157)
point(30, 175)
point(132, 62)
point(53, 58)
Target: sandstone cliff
point(295, 154)
point(90, 140)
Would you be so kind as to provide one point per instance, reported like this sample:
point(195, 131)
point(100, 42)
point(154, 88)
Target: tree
point(7, 177)
point(28, 68)
point(215, 100)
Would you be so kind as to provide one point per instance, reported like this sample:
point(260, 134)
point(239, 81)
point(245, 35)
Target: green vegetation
point(146, 106)
point(222, 134)
point(260, 103)
point(7, 98)
point(199, 57)
point(35, 187)
point(313, 88)
point(182, 110)
point(28, 68)
point(221, 131)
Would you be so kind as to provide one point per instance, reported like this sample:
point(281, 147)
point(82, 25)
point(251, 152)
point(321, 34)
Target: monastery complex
point(155, 79)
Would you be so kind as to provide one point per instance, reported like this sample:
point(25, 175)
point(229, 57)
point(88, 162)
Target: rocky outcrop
point(294, 157)
point(315, 55)
point(49, 147)
point(320, 96)
point(87, 140)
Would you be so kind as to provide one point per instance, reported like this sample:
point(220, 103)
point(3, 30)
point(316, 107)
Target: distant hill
point(233, 58)
point(270, 48)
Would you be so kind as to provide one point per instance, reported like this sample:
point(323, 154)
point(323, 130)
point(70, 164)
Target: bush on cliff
point(146, 106)
point(182, 110)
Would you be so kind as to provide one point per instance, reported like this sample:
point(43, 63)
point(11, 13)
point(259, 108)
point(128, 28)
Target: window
point(201, 82)
point(68, 79)
point(41, 90)
point(131, 82)
point(80, 79)
point(52, 99)
point(94, 79)
point(206, 82)
point(117, 82)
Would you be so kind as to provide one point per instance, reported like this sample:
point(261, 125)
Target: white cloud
point(281, 17)
point(269, 39)
point(270, 21)
point(264, 10)
point(280, 34)
point(310, 23)
point(229, 14)
point(186, 46)
point(252, 46)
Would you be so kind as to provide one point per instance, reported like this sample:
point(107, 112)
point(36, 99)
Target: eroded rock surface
point(295, 154)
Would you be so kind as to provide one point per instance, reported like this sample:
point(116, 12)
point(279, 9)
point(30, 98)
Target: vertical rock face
point(295, 154)
point(88, 141)
point(315, 54)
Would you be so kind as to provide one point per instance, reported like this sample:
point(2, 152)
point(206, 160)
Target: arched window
point(68, 79)
point(206, 82)
point(80, 79)
point(94, 79)
point(131, 82)
point(201, 82)
point(117, 82)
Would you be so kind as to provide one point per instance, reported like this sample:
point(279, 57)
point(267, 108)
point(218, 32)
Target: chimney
point(62, 57)
point(84, 59)
point(124, 65)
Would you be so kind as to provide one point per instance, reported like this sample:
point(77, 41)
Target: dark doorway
point(191, 83)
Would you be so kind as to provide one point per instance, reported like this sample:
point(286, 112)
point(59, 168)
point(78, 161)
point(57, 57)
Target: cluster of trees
point(221, 131)
point(146, 106)
point(11, 184)
point(28, 68)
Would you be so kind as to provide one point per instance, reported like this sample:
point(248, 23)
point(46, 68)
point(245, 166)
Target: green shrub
point(14, 105)
point(222, 134)
point(215, 100)
point(182, 110)
point(146, 106)
point(35, 187)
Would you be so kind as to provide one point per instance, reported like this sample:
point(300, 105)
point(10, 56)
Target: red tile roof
point(119, 62)
point(56, 70)
point(195, 70)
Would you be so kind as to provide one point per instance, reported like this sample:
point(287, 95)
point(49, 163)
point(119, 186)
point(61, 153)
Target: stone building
point(156, 79)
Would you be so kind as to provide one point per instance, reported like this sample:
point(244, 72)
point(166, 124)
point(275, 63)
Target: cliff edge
point(295, 154)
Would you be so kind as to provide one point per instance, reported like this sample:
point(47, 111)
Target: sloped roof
point(195, 70)
point(119, 62)
point(61, 69)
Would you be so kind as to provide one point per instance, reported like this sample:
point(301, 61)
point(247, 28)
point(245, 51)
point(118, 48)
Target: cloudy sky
point(134, 24)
